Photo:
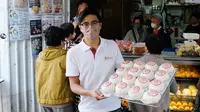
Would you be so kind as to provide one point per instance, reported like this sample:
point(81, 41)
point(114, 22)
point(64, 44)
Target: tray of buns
point(140, 82)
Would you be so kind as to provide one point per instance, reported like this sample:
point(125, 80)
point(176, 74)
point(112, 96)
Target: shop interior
point(117, 16)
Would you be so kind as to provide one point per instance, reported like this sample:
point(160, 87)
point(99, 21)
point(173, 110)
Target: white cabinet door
point(5, 103)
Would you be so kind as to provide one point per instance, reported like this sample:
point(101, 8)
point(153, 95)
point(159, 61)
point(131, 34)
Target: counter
point(173, 59)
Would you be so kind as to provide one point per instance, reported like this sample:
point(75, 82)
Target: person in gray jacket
point(138, 32)
point(154, 56)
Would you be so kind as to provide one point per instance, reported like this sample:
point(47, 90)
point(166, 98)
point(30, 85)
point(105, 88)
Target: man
point(137, 32)
point(81, 5)
point(161, 35)
point(91, 63)
point(52, 87)
point(194, 27)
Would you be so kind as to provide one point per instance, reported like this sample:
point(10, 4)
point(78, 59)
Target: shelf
point(187, 79)
point(181, 5)
point(177, 38)
point(179, 111)
point(173, 59)
point(182, 97)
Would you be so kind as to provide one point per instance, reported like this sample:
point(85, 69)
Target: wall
point(17, 66)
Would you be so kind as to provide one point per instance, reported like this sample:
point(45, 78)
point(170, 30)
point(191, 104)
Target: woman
point(81, 5)
point(137, 33)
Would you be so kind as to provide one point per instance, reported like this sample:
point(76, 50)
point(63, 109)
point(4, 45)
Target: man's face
point(194, 20)
point(82, 7)
point(137, 21)
point(155, 22)
point(90, 27)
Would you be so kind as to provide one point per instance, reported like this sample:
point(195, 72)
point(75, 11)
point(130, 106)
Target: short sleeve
point(119, 58)
point(72, 66)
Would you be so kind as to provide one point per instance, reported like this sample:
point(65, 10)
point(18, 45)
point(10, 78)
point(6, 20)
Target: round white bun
point(135, 93)
point(151, 96)
point(115, 78)
point(134, 71)
point(162, 75)
point(143, 82)
point(129, 79)
point(122, 88)
point(108, 87)
point(139, 64)
point(151, 66)
point(121, 71)
point(148, 74)
point(127, 64)
point(167, 67)
point(157, 85)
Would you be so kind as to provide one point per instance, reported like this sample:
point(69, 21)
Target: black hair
point(79, 2)
point(153, 45)
point(196, 15)
point(89, 12)
point(68, 29)
point(53, 36)
point(140, 18)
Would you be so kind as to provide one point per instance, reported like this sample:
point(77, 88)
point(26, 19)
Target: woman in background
point(137, 33)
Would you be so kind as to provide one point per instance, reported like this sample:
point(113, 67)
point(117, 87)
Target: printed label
point(106, 84)
point(120, 69)
point(156, 82)
point(146, 71)
point(161, 73)
point(114, 76)
point(135, 89)
point(143, 79)
point(152, 92)
point(166, 65)
point(128, 76)
point(126, 62)
point(134, 69)
point(139, 63)
point(122, 85)
point(151, 63)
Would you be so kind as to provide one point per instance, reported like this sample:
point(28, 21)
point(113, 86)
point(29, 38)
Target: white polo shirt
point(93, 72)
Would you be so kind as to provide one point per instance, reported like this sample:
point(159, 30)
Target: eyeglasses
point(87, 24)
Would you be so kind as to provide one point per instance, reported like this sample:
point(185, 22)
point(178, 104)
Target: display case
point(187, 77)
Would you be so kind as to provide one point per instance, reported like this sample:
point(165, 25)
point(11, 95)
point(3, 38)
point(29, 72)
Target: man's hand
point(75, 23)
point(97, 95)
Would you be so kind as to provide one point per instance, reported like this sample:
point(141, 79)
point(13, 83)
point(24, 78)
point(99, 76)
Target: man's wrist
point(87, 92)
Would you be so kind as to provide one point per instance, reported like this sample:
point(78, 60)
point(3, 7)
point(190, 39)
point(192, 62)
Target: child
point(68, 29)
point(52, 87)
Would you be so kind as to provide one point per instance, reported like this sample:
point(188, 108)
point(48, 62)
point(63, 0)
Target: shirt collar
point(159, 27)
point(85, 47)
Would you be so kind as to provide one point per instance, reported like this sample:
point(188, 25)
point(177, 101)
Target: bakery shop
point(124, 55)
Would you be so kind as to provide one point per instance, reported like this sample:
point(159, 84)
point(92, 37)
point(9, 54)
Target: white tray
point(152, 104)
